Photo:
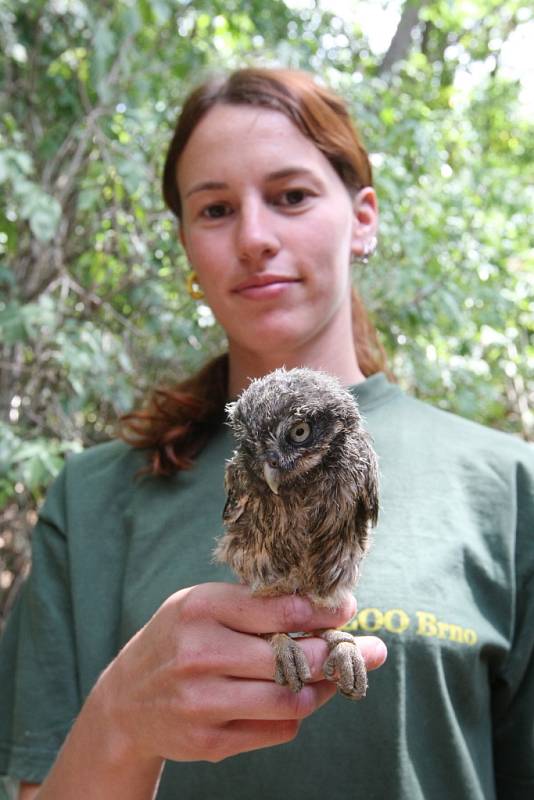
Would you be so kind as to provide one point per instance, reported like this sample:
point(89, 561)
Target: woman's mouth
point(264, 287)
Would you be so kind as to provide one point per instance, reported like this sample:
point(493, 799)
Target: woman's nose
point(256, 235)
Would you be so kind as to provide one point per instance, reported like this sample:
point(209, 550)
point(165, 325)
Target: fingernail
point(380, 653)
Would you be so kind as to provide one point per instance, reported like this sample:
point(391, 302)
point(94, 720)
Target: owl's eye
point(300, 432)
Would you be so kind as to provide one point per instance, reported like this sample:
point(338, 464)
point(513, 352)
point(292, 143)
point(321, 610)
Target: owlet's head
point(290, 422)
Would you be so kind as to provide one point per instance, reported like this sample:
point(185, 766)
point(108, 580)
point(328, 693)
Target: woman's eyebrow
point(205, 186)
point(286, 172)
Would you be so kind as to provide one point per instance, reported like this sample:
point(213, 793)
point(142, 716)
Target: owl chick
point(302, 491)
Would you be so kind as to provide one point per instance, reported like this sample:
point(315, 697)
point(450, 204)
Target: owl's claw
point(344, 664)
point(291, 667)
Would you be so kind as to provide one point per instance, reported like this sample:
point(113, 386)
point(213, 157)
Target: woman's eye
point(293, 197)
point(300, 432)
point(215, 211)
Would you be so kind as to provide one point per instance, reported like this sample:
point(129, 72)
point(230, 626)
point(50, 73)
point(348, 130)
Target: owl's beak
point(272, 477)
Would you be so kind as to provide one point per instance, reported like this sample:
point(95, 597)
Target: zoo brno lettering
point(422, 623)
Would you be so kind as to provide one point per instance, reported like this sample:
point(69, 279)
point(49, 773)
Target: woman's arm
point(196, 683)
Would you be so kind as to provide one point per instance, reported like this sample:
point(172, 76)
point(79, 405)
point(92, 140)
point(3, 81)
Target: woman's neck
point(245, 364)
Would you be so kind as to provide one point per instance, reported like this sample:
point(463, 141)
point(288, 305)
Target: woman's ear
point(365, 222)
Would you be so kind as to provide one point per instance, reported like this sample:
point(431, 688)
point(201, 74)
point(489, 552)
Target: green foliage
point(93, 307)
point(28, 465)
point(38, 208)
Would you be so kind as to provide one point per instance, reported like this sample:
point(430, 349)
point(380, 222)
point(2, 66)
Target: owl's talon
point(344, 664)
point(291, 667)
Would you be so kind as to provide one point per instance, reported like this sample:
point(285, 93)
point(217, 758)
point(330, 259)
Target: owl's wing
point(369, 491)
point(236, 501)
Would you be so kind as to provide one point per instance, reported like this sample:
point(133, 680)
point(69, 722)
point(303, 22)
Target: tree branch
point(402, 39)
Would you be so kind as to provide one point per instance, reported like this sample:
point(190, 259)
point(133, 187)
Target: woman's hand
point(196, 683)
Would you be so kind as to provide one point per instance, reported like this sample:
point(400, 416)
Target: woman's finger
point(262, 700)
point(215, 743)
point(240, 655)
point(233, 654)
point(236, 607)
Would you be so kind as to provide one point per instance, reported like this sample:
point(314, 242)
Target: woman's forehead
point(237, 137)
point(243, 120)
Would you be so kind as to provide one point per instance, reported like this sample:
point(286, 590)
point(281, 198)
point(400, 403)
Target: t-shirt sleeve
point(513, 696)
point(39, 695)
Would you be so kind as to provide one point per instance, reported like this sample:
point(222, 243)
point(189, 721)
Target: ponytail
point(179, 420)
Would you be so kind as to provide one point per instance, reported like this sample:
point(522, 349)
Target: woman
point(273, 191)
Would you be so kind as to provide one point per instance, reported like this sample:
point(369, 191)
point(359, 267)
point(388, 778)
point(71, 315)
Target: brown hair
point(178, 421)
point(319, 115)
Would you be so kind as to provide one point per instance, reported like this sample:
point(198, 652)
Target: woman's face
point(269, 228)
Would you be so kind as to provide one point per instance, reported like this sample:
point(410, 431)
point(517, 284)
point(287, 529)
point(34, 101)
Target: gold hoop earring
point(193, 287)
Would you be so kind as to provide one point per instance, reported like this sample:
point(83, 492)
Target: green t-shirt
point(448, 584)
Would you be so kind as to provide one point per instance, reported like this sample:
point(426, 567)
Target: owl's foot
point(344, 664)
point(291, 667)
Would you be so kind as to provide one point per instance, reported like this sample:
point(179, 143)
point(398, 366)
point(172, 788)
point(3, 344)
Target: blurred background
point(93, 306)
